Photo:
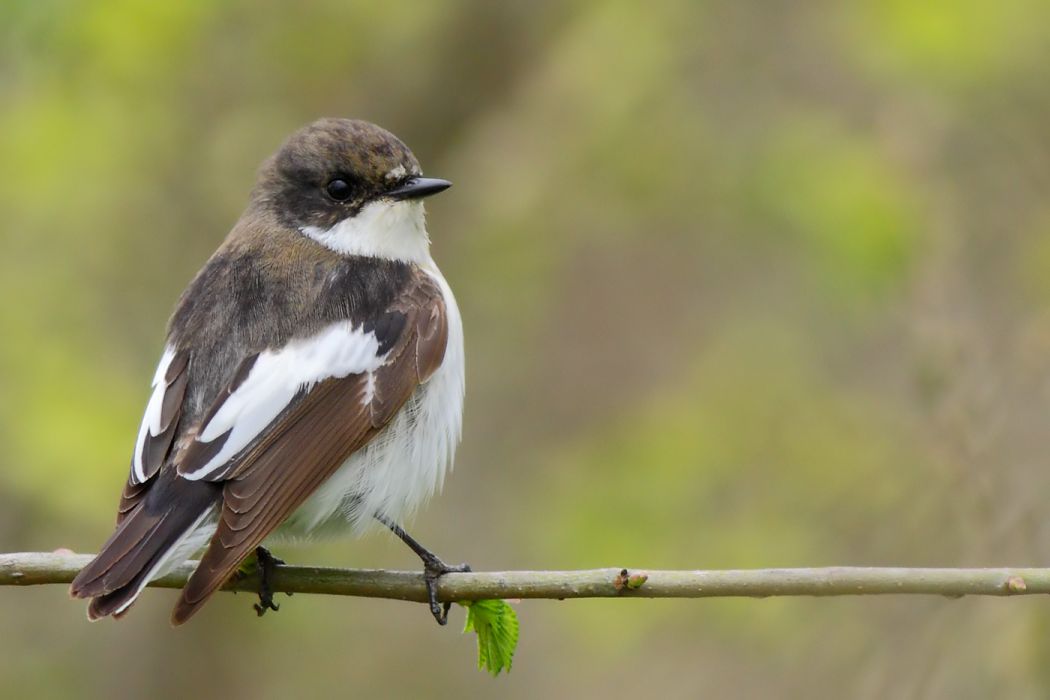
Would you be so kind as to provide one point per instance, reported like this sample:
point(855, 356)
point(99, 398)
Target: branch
point(35, 568)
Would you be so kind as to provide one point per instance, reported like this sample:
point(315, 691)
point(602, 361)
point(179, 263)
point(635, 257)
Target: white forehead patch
point(397, 173)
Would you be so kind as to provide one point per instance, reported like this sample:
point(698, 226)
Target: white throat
point(382, 229)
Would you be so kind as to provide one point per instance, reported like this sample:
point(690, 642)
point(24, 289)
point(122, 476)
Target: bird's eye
point(339, 190)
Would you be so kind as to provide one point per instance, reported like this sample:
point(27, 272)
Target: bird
point(312, 378)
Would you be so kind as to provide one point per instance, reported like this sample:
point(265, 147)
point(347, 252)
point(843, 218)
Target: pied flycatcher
point(312, 376)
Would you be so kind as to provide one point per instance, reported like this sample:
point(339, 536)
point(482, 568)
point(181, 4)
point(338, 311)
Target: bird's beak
point(418, 187)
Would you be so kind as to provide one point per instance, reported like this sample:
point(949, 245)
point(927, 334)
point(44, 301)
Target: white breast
point(406, 463)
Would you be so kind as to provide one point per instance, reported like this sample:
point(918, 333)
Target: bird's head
point(352, 186)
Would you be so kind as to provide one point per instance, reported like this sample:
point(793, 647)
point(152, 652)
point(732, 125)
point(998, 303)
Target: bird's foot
point(266, 563)
point(434, 569)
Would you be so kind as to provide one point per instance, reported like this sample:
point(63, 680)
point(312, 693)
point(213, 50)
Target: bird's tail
point(159, 533)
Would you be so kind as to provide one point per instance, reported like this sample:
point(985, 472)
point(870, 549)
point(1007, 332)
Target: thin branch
point(35, 568)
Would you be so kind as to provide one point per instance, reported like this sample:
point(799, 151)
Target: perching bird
point(312, 377)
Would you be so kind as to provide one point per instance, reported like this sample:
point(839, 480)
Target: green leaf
point(496, 625)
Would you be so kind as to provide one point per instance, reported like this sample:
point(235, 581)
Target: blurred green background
point(744, 283)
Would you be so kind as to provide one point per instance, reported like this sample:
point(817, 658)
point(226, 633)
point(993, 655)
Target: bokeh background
point(745, 284)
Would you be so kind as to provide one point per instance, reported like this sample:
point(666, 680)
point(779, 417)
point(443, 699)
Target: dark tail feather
point(122, 568)
point(119, 601)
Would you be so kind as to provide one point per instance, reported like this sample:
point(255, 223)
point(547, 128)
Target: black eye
point(339, 190)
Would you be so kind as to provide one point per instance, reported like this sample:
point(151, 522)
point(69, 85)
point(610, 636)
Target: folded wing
point(291, 417)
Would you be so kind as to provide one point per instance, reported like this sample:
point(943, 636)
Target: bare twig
point(35, 568)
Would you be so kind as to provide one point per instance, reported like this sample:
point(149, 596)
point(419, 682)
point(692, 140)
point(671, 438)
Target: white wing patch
point(151, 418)
point(275, 379)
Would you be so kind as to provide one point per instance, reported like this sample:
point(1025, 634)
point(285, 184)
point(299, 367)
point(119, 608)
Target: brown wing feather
point(310, 441)
point(156, 448)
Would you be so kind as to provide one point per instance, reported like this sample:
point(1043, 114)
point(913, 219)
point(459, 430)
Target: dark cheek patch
point(300, 205)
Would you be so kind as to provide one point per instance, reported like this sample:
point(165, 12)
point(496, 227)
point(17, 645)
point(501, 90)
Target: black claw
point(439, 611)
point(264, 604)
point(434, 569)
point(266, 563)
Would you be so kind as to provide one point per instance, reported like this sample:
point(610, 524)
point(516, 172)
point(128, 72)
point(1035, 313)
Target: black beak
point(418, 187)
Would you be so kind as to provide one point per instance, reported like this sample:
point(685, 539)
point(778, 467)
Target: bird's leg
point(433, 569)
point(266, 564)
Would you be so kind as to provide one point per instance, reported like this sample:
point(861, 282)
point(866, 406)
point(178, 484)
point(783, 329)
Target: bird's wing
point(159, 426)
point(292, 416)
